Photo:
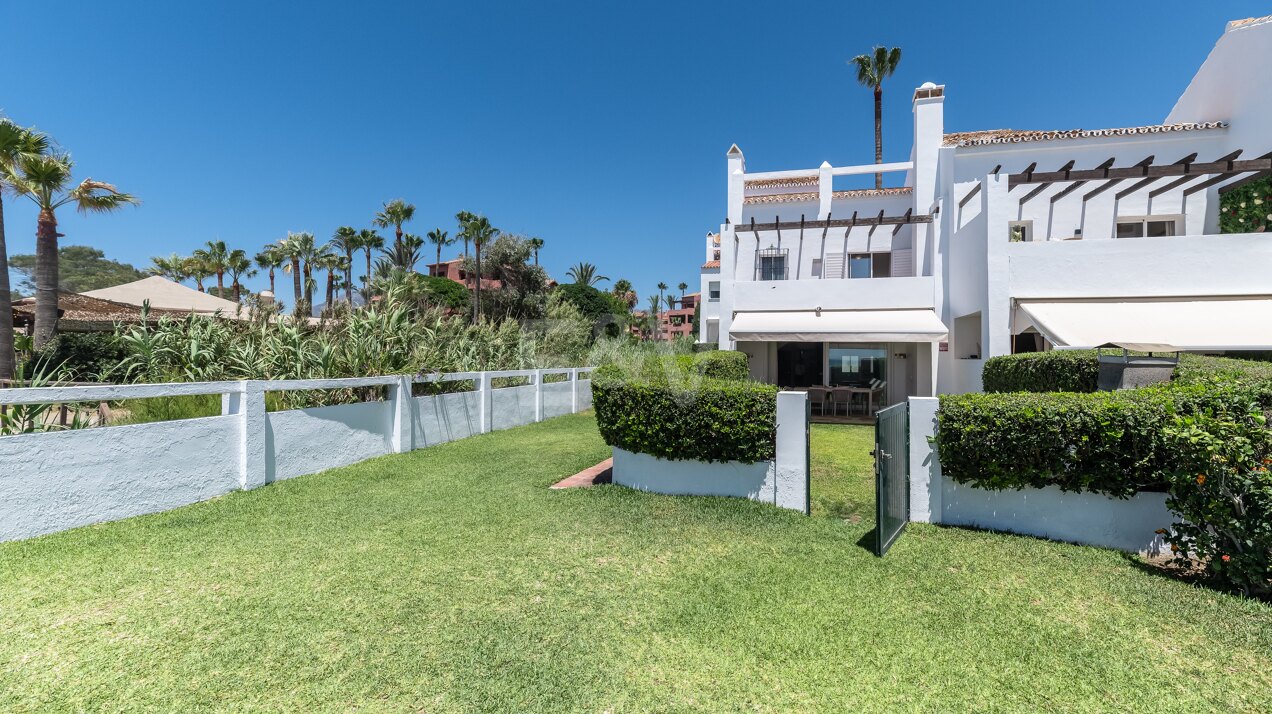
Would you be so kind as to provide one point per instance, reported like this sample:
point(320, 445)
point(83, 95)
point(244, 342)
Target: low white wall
point(57, 480)
point(783, 481)
point(1086, 518)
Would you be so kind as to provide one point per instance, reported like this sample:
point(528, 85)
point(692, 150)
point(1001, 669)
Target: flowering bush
point(1247, 209)
point(1222, 489)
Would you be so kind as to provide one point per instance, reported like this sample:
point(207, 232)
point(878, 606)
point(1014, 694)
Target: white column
point(737, 183)
point(249, 405)
point(538, 395)
point(791, 458)
point(825, 190)
point(400, 405)
point(996, 319)
point(574, 391)
point(925, 468)
point(485, 400)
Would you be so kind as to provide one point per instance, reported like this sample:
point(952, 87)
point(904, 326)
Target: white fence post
point(249, 404)
point(538, 395)
point(401, 431)
point(791, 489)
point(487, 405)
point(574, 391)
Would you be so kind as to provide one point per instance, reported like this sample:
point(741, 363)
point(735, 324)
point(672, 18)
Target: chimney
point(737, 184)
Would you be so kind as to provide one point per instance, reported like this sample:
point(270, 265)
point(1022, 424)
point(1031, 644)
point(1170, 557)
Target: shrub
point(1222, 489)
point(1200, 368)
point(1055, 371)
point(722, 364)
point(1114, 443)
point(83, 356)
point(1247, 209)
point(702, 419)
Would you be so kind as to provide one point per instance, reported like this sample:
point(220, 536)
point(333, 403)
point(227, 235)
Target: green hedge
point(1113, 443)
point(691, 407)
point(1055, 371)
point(1079, 371)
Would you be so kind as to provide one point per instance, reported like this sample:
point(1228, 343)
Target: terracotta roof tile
point(781, 198)
point(874, 192)
point(784, 182)
point(711, 264)
point(1013, 136)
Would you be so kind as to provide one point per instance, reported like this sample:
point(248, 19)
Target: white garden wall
point(1086, 518)
point(57, 480)
point(783, 481)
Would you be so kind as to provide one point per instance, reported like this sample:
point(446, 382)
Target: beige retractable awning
point(1167, 325)
point(838, 326)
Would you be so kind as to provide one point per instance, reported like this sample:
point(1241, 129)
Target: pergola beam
point(1144, 164)
point(1223, 165)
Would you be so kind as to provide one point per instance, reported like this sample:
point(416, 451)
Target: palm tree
point(872, 69)
point(45, 180)
point(369, 240)
point(239, 266)
point(196, 268)
point(394, 214)
point(292, 248)
point(173, 267)
point(334, 263)
point(15, 143)
point(439, 238)
point(271, 259)
point(683, 287)
point(585, 274)
point(480, 232)
point(216, 256)
point(346, 241)
point(623, 291)
point(463, 218)
point(406, 252)
point(655, 304)
point(662, 287)
point(535, 245)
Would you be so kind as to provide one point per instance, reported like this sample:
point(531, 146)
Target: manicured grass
point(452, 579)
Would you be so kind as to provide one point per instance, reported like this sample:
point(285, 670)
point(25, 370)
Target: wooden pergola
point(1186, 170)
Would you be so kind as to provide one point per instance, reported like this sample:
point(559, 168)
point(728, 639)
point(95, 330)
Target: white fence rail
point(55, 480)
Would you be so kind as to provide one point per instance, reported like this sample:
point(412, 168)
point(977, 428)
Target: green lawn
point(452, 579)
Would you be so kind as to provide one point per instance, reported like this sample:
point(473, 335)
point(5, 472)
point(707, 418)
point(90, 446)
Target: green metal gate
point(892, 475)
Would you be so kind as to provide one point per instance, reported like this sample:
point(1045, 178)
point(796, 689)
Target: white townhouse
point(1003, 241)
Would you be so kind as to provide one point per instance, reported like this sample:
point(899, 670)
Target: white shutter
point(903, 263)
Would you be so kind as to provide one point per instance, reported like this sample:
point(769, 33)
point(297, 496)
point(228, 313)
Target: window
point(870, 265)
point(1148, 226)
point(713, 291)
point(771, 264)
point(856, 365)
point(817, 267)
point(1020, 231)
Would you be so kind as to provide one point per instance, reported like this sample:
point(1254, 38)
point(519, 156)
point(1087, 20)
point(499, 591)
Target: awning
point(838, 326)
point(1151, 325)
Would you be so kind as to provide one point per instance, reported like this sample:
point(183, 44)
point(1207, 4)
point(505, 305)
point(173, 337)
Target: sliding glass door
point(858, 365)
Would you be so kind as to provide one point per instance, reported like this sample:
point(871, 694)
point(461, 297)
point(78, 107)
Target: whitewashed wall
point(58, 480)
point(1086, 518)
point(783, 481)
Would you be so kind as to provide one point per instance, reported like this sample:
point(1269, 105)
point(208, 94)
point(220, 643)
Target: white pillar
point(825, 190)
point(248, 403)
point(485, 400)
point(538, 395)
point(929, 135)
point(400, 407)
point(574, 391)
point(996, 319)
point(925, 468)
point(737, 183)
point(791, 459)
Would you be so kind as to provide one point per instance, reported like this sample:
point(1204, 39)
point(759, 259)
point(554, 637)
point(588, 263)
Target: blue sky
point(600, 127)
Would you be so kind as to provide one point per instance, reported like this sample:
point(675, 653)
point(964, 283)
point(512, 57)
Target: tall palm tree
point(662, 288)
point(463, 218)
point(173, 267)
point(683, 287)
point(655, 304)
point(239, 266)
point(585, 274)
point(369, 240)
point(45, 179)
point(441, 239)
point(405, 253)
point(872, 69)
point(393, 215)
point(346, 241)
point(623, 291)
point(15, 143)
point(217, 257)
point(480, 232)
point(271, 258)
point(334, 263)
point(196, 268)
point(535, 244)
point(292, 248)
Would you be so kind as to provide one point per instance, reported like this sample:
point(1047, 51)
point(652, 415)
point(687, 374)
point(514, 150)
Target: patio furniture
point(876, 386)
point(817, 399)
point(840, 396)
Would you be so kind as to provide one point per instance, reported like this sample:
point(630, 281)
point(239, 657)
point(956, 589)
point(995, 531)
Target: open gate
point(892, 474)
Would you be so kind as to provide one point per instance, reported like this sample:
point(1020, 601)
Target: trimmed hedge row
point(692, 407)
point(1114, 443)
point(1079, 371)
point(1054, 371)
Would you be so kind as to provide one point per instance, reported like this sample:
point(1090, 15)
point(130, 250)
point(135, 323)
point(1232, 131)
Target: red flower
point(1226, 558)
